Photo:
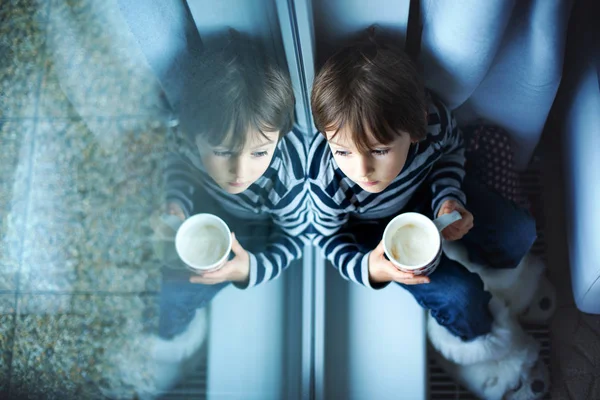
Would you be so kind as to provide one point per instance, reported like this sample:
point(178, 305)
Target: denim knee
point(466, 313)
point(456, 299)
point(503, 232)
point(179, 299)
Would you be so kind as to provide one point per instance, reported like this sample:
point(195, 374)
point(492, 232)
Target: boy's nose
point(365, 167)
point(237, 167)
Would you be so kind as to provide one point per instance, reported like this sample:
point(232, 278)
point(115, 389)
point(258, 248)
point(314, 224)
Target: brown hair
point(372, 89)
point(236, 88)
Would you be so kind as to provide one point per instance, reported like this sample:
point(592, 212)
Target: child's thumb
point(236, 247)
point(379, 250)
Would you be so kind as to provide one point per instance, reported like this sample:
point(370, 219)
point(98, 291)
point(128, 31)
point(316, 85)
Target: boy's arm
point(285, 241)
point(338, 240)
point(447, 175)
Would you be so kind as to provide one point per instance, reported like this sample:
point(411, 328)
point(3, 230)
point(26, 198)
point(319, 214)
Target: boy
point(387, 147)
point(236, 156)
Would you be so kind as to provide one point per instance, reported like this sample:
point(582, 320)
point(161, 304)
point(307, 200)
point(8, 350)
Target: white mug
point(203, 242)
point(431, 229)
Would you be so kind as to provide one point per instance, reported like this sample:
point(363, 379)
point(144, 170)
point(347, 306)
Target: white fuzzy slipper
point(492, 346)
point(493, 365)
point(182, 346)
point(542, 307)
point(148, 366)
point(534, 384)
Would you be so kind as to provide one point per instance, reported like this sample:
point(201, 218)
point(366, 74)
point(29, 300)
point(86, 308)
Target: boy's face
point(373, 171)
point(235, 172)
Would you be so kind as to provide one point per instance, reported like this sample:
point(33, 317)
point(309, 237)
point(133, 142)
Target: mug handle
point(442, 222)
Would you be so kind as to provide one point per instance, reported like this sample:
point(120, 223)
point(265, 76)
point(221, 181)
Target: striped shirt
point(280, 196)
point(437, 161)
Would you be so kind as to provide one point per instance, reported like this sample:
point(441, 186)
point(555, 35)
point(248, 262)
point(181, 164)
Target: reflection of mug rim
point(193, 221)
point(388, 252)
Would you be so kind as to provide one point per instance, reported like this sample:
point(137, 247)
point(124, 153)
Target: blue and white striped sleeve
point(448, 173)
point(286, 240)
point(337, 240)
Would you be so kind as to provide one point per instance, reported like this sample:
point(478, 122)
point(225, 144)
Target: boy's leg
point(474, 337)
point(472, 332)
point(503, 232)
point(179, 300)
point(456, 299)
point(498, 249)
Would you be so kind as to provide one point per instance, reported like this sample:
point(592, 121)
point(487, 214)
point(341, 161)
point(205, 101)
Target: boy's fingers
point(401, 275)
point(451, 235)
point(213, 277)
point(174, 209)
point(220, 273)
point(450, 206)
point(449, 232)
point(454, 236)
point(452, 228)
point(417, 280)
point(199, 279)
point(466, 223)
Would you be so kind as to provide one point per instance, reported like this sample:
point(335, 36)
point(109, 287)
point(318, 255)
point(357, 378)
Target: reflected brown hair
point(373, 90)
point(235, 88)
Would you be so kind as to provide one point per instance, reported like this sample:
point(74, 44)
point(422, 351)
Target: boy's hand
point(235, 270)
point(161, 226)
point(382, 270)
point(175, 209)
point(459, 228)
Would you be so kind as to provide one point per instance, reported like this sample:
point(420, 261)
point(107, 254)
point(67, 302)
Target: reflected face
point(375, 170)
point(234, 172)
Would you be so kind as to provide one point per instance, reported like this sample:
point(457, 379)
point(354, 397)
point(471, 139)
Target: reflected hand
point(235, 270)
point(176, 210)
point(381, 270)
point(162, 229)
point(460, 228)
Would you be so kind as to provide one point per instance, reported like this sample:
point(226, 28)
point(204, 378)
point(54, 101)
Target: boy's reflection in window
point(235, 155)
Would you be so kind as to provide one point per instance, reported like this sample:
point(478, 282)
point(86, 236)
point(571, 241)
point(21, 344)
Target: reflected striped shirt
point(279, 196)
point(437, 161)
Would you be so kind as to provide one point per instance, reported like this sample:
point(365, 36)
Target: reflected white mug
point(203, 242)
point(432, 229)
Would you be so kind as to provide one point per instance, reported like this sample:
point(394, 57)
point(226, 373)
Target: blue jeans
point(179, 300)
point(501, 236)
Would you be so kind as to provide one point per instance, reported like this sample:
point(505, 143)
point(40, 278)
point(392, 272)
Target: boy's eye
point(342, 153)
point(382, 152)
point(226, 154)
point(258, 154)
